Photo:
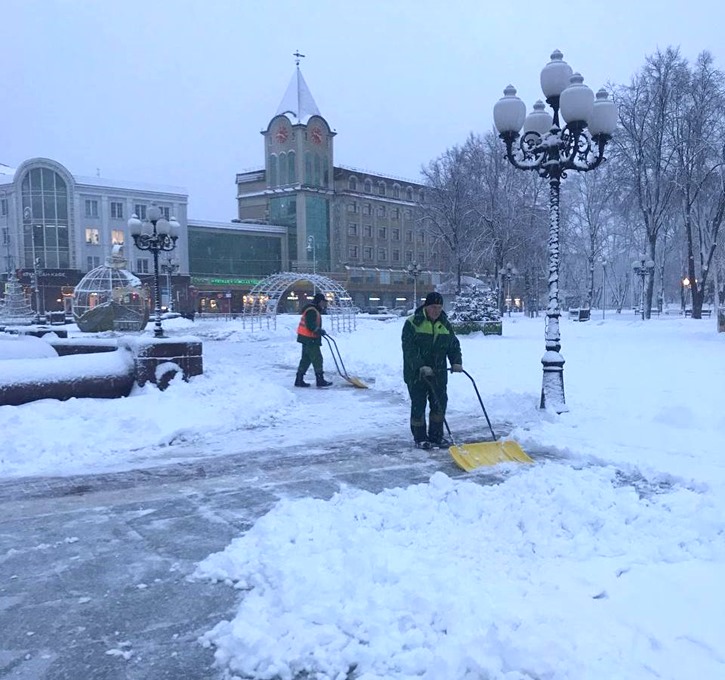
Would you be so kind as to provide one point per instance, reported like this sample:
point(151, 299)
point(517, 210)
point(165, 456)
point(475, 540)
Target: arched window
point(396, 190)
point(45, 219)
point(282, 169)
point(368, 186)
point(273, 179)
point(421, 196)
point(352, 183)
point(318, 170)
point(409, 193)
point(308, 168)
point(291, 165)
point(381, 188)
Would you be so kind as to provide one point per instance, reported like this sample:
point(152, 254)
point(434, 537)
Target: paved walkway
point(94, 569)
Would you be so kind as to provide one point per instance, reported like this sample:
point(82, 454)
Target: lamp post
point(642, 268)
point(312, 249)
point(28, 217)
point(685, 296)
point(414, 270)
point(604, 287)
point(156, 234)
point(170, 267)
point(551, 151)
point(506, 273)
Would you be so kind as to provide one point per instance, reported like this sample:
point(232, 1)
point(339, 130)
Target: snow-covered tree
point(475, 309)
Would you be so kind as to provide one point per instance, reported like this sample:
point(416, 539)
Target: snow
point(602, 560)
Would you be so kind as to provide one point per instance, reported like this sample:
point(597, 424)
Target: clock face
point(316, 135)
point(281, 134)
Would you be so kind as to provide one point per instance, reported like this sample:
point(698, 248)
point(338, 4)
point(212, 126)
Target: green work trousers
point(422, 394)
point(311, 354)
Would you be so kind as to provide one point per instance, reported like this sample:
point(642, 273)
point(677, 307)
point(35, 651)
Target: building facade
point(362, 228)
point(55, 227)
point(227, 259)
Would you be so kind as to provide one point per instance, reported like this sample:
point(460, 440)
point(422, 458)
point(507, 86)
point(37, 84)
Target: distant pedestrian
point(309, 334)
point(428, 341)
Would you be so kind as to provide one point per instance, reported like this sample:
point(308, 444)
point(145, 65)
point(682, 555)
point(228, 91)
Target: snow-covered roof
point(7, 175)
point(298, 104)
point(238, 226)
point(127, 184)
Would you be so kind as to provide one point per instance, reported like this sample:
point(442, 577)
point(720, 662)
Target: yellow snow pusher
point(336, 357)
point(477, 454)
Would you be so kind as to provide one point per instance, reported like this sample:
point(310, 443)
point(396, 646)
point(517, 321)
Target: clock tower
point(298, 144)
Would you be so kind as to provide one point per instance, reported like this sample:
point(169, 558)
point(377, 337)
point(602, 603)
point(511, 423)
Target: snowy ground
point(602, 560)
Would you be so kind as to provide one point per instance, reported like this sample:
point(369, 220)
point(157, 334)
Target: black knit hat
point(319, 297)
point(433, 299)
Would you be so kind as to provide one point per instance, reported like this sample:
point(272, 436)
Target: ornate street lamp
point(551, 151)
point(642, 268)
point(415, 270)
point(170, 267)
point(506, 273)
point(28, 217)
point(156, 234)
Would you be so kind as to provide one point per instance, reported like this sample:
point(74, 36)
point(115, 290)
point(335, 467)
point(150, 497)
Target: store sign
point(212, 281)
point(47, 274)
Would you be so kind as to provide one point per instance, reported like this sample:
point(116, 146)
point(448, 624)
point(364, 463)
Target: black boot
point(299, 382)
point(321, 382)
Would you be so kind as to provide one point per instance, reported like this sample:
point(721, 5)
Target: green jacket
point(429, 344)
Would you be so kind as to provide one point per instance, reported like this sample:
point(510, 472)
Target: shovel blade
point(471, 456)
point(356, 382)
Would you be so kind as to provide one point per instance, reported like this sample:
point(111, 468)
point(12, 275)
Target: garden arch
point(262, 302)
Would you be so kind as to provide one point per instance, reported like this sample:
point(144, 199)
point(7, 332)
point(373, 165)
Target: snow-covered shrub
point(475, 309)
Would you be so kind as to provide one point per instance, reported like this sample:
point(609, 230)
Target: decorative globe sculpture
point(110, 298)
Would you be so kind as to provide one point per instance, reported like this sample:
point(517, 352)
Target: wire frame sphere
point(110, 298)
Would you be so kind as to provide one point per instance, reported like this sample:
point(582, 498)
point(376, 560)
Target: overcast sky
point(175, 92)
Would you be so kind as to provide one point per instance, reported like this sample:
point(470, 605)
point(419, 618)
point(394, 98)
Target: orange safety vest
point(302, 328)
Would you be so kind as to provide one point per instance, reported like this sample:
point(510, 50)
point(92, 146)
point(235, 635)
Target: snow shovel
point(470, 456)
point(343, 372)
point(477, 454)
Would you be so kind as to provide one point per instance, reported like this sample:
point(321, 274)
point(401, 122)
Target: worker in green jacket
point(428, 341)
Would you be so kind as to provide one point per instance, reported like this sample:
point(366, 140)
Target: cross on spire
point(297, 57)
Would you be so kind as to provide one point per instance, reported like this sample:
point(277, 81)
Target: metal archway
point(261, 303)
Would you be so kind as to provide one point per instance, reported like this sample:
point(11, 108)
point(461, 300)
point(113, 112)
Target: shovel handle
point(480, 401)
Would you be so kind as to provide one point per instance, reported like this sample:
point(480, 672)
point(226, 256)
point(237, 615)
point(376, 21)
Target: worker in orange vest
point(309, 334)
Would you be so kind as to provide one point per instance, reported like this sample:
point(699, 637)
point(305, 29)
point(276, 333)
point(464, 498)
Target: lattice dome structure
point(111, 298)
point(262, 302)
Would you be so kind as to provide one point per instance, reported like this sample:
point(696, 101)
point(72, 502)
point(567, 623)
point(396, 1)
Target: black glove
point(323, 332)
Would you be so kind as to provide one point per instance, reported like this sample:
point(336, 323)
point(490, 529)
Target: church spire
point(298, 104)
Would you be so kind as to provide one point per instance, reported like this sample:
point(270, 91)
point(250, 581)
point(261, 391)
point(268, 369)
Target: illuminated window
point(93, 236)
point(117, 237)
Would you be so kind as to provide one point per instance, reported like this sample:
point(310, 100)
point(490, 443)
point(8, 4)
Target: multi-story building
point(360, 227)
point(58, 226)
